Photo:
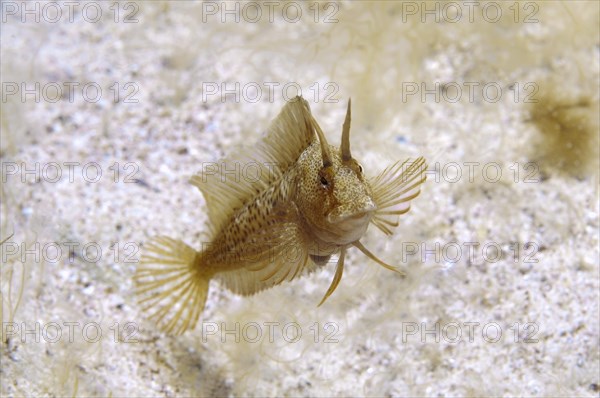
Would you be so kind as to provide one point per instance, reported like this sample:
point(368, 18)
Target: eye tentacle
point(346, 155)
point(325, 153)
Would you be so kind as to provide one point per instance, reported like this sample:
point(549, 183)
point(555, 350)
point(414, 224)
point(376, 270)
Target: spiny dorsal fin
point(230, 183)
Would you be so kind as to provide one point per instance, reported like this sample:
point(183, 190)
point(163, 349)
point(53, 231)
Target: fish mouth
point(347, 227)
point(337, 216)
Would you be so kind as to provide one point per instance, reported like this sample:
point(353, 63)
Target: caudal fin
point(171, 284)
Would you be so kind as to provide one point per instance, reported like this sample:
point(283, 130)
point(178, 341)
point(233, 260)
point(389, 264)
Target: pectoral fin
point(393, 190)
point(270, 256)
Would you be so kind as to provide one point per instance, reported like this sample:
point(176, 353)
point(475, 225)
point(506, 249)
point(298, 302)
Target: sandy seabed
point(108, 108)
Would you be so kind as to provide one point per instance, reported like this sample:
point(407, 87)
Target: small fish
point(311, 201)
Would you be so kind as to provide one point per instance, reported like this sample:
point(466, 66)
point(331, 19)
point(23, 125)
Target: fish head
point(333, 194)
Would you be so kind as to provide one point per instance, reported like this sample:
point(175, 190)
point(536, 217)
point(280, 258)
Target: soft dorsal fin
point(230, 183)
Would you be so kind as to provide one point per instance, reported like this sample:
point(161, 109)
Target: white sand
point(372, 333)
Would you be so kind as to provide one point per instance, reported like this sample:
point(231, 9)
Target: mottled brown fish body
point(234, 247)
point(312, 201)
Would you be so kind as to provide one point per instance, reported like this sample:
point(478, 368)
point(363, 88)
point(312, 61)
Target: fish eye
point(325, 177)
point(360, 168)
